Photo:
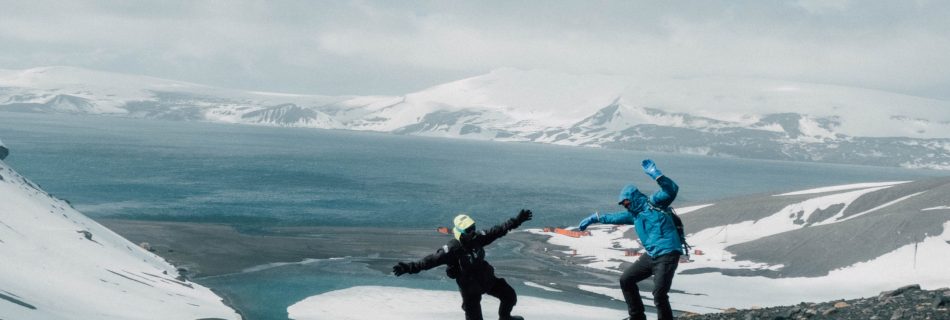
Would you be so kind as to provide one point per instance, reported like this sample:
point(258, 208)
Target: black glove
point(524, 215)
point(401, 268)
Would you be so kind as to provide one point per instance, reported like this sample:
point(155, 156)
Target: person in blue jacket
point(658, 235)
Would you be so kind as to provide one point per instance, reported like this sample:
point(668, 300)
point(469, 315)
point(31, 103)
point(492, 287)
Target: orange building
point(572, 233)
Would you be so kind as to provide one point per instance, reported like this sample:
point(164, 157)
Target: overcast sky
point(396, 47)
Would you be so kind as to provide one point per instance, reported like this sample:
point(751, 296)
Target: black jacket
point(466, 258)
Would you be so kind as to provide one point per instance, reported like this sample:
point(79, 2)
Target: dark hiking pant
point(472, 300)
point(662, 269)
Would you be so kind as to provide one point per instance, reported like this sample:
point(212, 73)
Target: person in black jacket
point(465, 258)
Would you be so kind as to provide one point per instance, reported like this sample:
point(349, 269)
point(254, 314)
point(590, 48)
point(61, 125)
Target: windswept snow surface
point(842, 187)
point(924, 262)
point(59, 264)
point(393, 303)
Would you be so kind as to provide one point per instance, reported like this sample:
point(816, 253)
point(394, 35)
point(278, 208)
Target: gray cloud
point(369, 47)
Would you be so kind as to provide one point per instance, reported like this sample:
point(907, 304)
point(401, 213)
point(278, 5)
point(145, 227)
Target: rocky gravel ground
point(908, 302)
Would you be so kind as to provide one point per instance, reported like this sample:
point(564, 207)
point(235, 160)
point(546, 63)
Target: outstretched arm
point(491, 234)
point(621, 217)
point(436, 259)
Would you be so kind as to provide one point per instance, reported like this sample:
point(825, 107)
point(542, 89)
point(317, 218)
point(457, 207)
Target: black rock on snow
point(908, 302)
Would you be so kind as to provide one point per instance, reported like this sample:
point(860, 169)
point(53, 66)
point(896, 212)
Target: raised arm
point(668, 189)
point(491, 234)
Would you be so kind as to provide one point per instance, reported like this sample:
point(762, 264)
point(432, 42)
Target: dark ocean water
point(255, 176)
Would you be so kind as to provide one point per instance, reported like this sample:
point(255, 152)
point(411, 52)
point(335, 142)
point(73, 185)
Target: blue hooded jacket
point(655, 228)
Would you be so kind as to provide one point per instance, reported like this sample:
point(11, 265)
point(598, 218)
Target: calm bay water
point(254, 176)
point(245, 175)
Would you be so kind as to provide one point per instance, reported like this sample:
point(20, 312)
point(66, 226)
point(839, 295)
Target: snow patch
point(395, 303)
point(685, 210)
point(545, 288)
point(924, 263)
point(842, 187)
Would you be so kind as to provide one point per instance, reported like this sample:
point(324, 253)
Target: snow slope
point(834, 242)
point(394, 303)
point(59, 264)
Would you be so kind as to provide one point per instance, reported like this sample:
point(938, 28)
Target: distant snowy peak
point(546, 98)
point(283, 115)
point(101, 92)
point(620, 115)
point(554, 99)
point(729, 117)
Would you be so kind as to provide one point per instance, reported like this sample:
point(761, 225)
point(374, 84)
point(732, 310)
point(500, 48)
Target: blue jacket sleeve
point(667, 193)
point(622, 217)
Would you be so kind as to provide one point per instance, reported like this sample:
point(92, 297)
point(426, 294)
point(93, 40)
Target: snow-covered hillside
point(532, 101)
point(734, 117)
point(812, 245)
point(59, 264)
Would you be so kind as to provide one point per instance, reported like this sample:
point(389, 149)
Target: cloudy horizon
point(375, 47)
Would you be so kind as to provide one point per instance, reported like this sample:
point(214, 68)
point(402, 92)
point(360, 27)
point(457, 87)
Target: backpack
point(677, 222)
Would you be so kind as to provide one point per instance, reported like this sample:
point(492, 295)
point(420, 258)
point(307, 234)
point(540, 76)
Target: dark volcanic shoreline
point(206, 249)
point(209, 250)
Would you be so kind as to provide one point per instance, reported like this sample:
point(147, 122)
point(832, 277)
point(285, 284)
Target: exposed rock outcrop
point(4, 152)
point(909, 302)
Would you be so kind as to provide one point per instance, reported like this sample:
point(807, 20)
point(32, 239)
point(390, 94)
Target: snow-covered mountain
point(822, 244)
point(731, 117)
point(59, 264)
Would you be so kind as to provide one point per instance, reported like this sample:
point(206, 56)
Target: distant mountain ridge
point(727, 117)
